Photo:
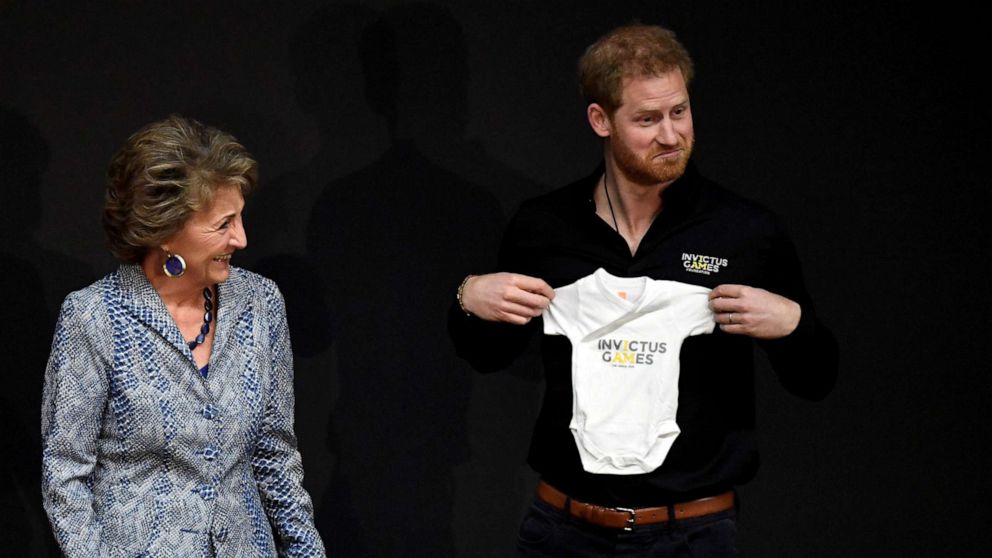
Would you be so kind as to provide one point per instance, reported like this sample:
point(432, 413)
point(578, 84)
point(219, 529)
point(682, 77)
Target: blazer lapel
point(231, 302)
point(144, 303)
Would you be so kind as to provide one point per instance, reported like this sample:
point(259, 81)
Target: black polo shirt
point(704, 235)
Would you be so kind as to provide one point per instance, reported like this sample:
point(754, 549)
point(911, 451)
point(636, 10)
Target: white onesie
point(626, 336)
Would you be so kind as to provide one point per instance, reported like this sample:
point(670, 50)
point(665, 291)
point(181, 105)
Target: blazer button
point(209, 453)
point(205, 491)
point(210, 412)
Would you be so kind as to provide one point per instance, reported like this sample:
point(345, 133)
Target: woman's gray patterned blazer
point(142, 456)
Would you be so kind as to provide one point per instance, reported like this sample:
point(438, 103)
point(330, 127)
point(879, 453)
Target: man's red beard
point(648, 171)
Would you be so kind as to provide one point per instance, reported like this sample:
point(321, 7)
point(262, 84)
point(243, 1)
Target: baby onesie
point(626, 335)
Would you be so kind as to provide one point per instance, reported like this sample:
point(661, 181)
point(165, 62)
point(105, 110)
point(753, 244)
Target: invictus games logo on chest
point(706, 265)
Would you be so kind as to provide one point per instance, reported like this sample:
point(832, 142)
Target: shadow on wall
point(328, 87)
point(35, 279)
point(391, 241)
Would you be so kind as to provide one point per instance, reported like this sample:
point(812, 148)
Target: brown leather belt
point(628, 518)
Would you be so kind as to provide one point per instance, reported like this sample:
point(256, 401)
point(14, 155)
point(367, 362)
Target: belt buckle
point(631, 520)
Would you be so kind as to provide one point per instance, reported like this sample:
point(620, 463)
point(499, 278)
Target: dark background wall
point(389, 169)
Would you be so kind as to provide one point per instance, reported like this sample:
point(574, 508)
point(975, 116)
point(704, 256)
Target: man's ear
point(599, 120)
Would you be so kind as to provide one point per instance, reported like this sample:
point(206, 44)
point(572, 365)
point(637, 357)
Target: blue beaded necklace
point(208, 316)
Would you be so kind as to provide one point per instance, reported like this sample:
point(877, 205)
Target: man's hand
point(757, 313)
point(506, 297)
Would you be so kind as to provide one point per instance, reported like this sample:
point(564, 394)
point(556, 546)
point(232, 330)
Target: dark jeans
point(549, 532)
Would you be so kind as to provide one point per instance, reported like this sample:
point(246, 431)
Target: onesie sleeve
point(561, 311)
point(698, 316)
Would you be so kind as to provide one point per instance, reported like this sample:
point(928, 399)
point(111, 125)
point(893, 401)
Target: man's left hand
point(743, 310)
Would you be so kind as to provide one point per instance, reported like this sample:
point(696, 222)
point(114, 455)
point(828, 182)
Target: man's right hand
point(506, 297)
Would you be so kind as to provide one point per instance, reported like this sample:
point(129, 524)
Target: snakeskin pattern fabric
point(144, 457)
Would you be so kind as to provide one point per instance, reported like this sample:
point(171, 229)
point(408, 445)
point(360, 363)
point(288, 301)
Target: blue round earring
point(174, 265)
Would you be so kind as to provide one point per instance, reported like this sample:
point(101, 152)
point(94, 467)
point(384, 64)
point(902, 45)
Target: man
point(647, 212)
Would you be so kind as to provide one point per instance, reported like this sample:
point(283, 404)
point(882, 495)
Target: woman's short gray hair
point(164, 173)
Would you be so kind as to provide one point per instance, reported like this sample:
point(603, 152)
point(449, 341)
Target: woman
point(167, 416)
